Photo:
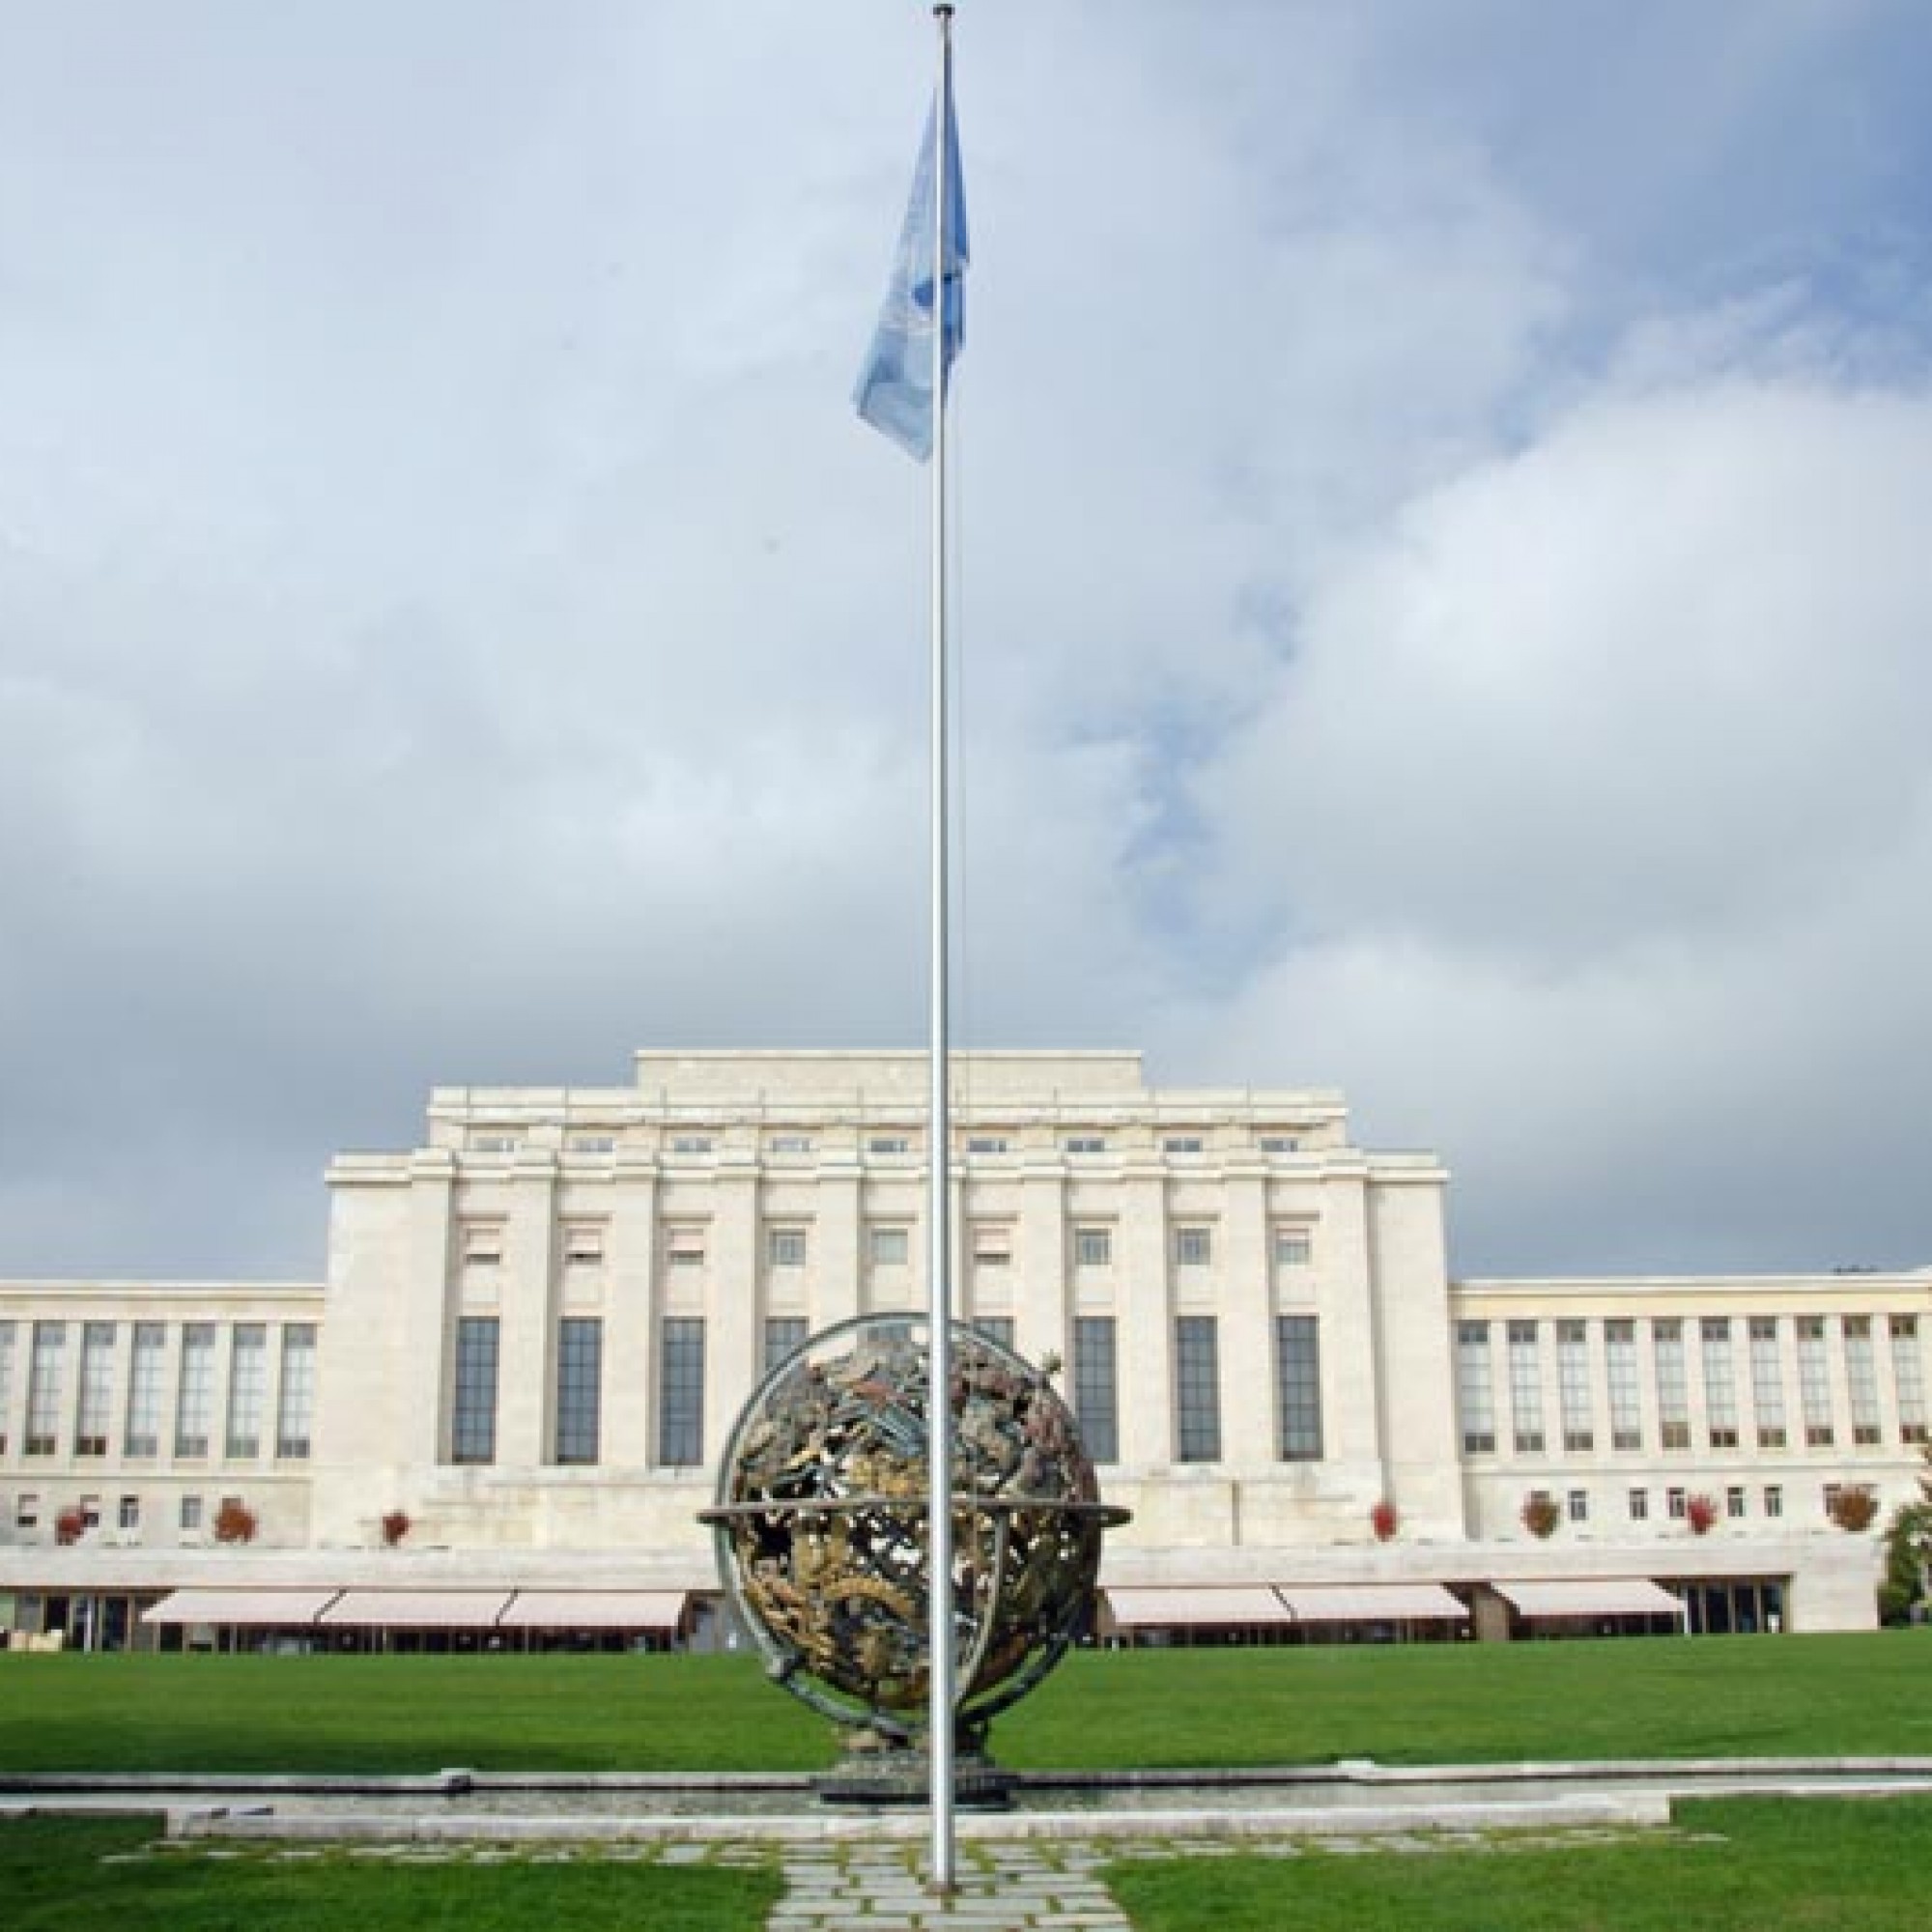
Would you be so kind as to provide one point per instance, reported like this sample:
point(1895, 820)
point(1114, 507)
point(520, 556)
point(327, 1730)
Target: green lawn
point(1663, 1697)
point(1731, 1866)
point(99, 1875)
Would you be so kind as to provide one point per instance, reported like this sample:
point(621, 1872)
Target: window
point(784, 1336)
point(1625, 1392)
point(790, 1144)
point(1573, 1387)
point(1280, 1143)
point(1197, 1388)
point(580, 1386)
point(294, 1412)
point(997, 1328)
point(1773, 1499)
point(1294, 1247)
point(986, 1144)
point(1193, 1247)
point(583, 1244)
point(1675, 1504)
point(1833, 1491)
point(248, 1388)
point(993, 1247)
point(784, 1247)
point(1093, 1247)
point(482, 1244)
point(1734, 1501)
point(188, 1516)
point(1673, 1392)
point(128, 1514)
point(1720, 1387)
point(889, 1144)
point(1475, 1388)
point(1639, 1505)
point(1814, 1381)
point(493, 1142)
point(691, 1144)
point(145, 1369)
point(1767, 1382)
point(889, 1247)
point(194, 1389)
point(593, 1144)
point(6, 1379)
point(1182, 1143)
point(1908, 1376)
point(90, 1512)
point(1526, 1373)
point(90, 1419)
point(1297, 1387)
point(684, 1247)
point(1085, 1144)
point(1862, 1378)
point(473, 1434)
point(1096, 1400)
point(681, 1392)
point(27, 1512)
point(43, 1386)
point(1577, 1505)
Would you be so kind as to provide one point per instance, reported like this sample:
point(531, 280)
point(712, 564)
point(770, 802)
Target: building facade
point(538, 1327)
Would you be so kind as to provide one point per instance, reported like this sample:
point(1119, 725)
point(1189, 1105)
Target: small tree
point(1854, 1508)
point(1540, 1513)
point(69, 1525)
point(235, 1521)
point(1907, 1558)
point(395, 1526)
point(1384, 1520)
point(1701, 1514)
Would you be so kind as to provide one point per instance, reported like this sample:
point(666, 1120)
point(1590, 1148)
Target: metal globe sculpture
point(821, 1524)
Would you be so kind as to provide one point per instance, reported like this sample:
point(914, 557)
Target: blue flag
point(895, 391)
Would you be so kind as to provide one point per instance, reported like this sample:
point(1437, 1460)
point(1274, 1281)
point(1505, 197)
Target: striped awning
point(258, 1608)
point(1590, 1597)
point(416, 1609)
point(595, 1610)
point(1200, 1608)
point(1370, 1602)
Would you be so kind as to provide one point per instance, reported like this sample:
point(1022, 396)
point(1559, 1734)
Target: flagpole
point(939, 1138)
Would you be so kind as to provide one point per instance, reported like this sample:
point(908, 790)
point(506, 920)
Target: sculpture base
point(901, 1777)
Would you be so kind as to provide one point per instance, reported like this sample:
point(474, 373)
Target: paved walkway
point(1028, 1887)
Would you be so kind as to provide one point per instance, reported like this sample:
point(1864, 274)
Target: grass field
point(1731, 1866)
point(1718, 1697)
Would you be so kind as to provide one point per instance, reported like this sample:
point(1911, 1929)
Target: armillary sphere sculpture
point(822, 1518)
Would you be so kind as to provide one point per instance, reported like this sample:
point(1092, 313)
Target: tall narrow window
point(1297, 1384)
point(1096, 1389)
point(94, 1412)
point(1673, 1387)
point(1475, 1388)
point(1862, 1378)
point(248, 1388)
point(46, 1371)
point(681, 1392)
point(1525, 1389)
point(194, 1390)
point(784, 1336)
point(473, 1415)
point(1573, 1387)
point(6, 1381)
point(295, 1419)
point(1094, 1247)
point(1196, 1389)
point(1193, 1247)
point(145, 1369)
point(1908, 1376)
point(996, 1328)
point(1768, 1383)
point(580, 1386)
point(1626, 1385)
point(1814, 1381)
point(1720, 1381)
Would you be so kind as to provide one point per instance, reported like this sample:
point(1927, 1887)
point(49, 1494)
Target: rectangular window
point(1298, 1386)
point(1814, 1381)
point(1639, 1505)
point(681, 1392)
point(248, 1388)
point(95, 1409)
point(993, 1247)
point(1093, 1247)
point(1526, 1373)
point(294, 1408)
point(482, 1244)
point(579, 1387)
point(1294, 1247)
point(1676, 1504)
point(1908, 1377)
point(996, 1328)
point(46, 1367)
point(128, 1514)
point(784, 1247)
point(493, 1142)
point(1193, 1247)
point(790, 1144)
point(593, 1142)
point(1767, 1382)
point(1280, 1143)
point(194, 1389)
point(1475, 1388)
point(188, 1516)
point(1182, 1143)
point(1773, 1499)
point(1573, 1387)
point(1085, 1144)
point(1862, 1378)
point(889, 1144)
point(1734, 1501)
point(583, 1244)
point(691, 1144)
point(986, 1144)
point(1096, 1398)
point(1577, 1505)
point(27, 1512)
point(1673, 1387)
point(90, 1512)
point(889, 1247)
point(146, 1375)
point(473, 1430)
point(784, 1336)
point(6, 1380)
point(1626, 1386)
point(684, 1247)
point(1196, 1389)
point(1720, 1383)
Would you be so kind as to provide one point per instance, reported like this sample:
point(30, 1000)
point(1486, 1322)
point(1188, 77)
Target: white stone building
point(537, 1328)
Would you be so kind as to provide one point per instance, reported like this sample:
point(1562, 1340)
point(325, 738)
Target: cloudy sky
point(1445, 557)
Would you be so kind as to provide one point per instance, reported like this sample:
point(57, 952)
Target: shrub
point(1384, 1520)
point(1540, 1513)
point(1853, 1508)
point(69, 1525)
point(1701, 1514)
point(235, 1521)
point(395, 1526)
